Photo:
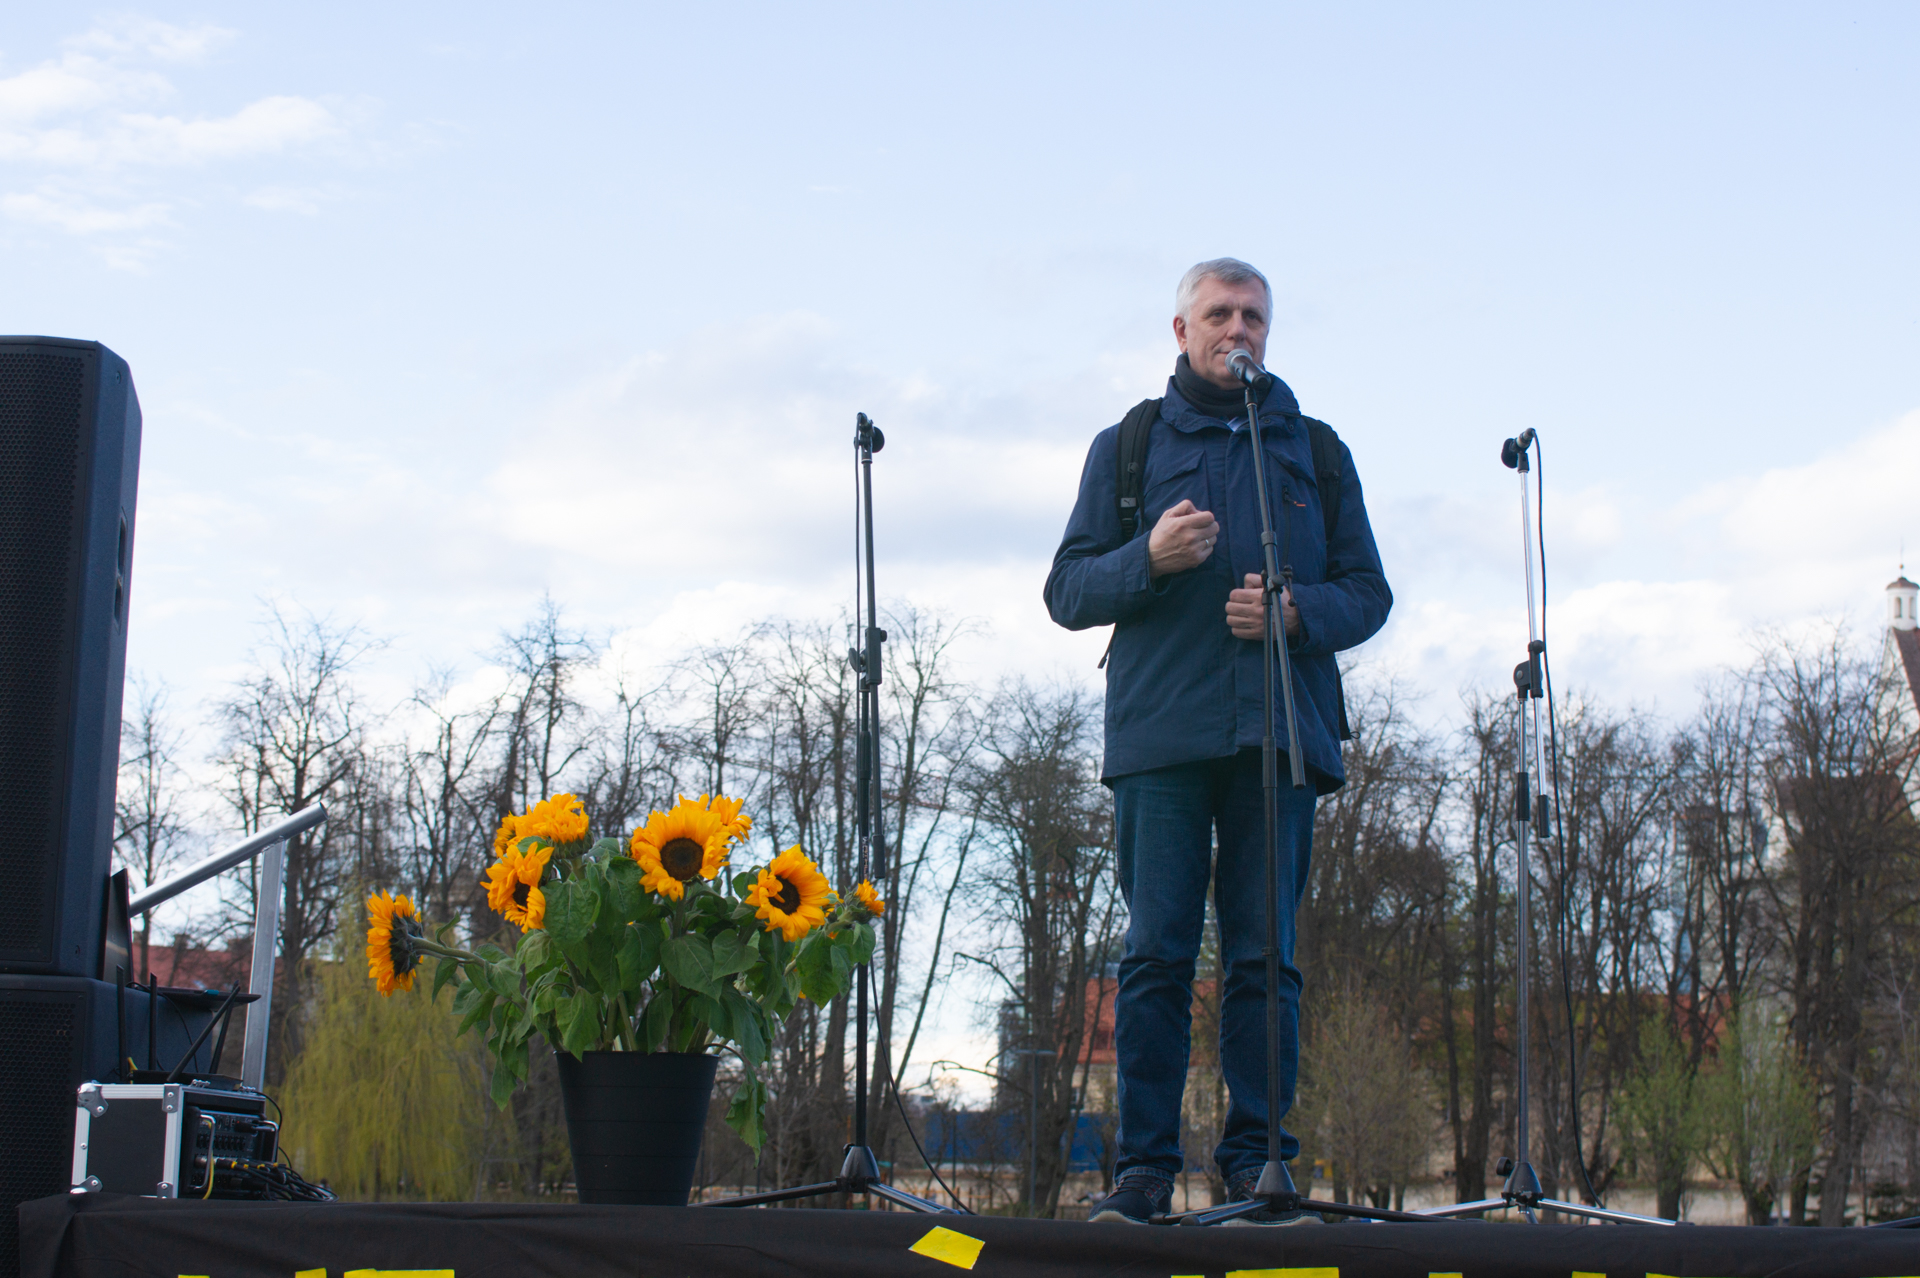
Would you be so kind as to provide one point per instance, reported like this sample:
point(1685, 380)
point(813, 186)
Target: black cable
point(894, 1087)
point(1560, 828)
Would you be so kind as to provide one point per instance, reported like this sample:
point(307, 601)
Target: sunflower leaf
point(444, 971)
point(636, 963)
point(659, 1015)
point(503, 1084)
point(606, 849)
point(504, 977)
point(580, 1024)
point(601, 961)
point(535, 951)
point(624, 893)
point(479, 1009)
point(818, 979)
point(744, 1114)
point(747, 1032)
point(862, 943)
point(571, 907)
point(733, 954)
point(712, 1014)
point(689, 961)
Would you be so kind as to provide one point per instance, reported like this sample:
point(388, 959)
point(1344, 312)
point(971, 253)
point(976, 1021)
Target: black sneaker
point(1240, 1190)
point(1137, 1197)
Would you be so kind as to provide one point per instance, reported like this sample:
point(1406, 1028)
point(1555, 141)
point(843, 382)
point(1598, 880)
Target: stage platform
point(109, 1236)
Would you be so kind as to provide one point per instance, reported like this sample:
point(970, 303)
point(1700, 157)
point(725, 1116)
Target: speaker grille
point(42, 397)
point(36, 1108)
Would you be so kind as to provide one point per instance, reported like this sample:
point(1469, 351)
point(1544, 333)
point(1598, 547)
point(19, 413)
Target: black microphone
point(1240, 364)
point(1514, 449)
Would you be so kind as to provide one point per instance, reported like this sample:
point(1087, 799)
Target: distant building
point(1903, 646)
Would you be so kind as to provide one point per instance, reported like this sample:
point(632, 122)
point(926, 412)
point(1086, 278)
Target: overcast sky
point(434, 308)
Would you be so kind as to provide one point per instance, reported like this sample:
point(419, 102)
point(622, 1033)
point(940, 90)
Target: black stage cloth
point(110, 1236)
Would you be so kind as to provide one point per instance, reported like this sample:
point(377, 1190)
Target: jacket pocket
point(1174, 476)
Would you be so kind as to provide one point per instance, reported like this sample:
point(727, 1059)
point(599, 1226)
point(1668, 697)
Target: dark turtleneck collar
point(1204, 396)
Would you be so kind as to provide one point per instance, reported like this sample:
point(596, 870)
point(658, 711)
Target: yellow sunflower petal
point(791, 895)
point(391, 965)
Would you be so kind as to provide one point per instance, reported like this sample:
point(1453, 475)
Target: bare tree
point(1046, 883)
point(149, 803)
point(293, 735)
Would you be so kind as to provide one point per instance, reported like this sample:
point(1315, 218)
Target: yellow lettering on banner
point(310, 1273)
point(1581, 1273)
point(1331, 1271)
point(1446, 1276)
point(943, 1245)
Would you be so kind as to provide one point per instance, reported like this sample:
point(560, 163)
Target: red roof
point(1908, 642)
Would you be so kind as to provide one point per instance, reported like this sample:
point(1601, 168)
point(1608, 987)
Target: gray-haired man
point(1185, 711)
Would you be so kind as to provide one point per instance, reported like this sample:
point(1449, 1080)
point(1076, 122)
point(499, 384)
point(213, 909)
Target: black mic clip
point(866, 435)
point(1513, 453)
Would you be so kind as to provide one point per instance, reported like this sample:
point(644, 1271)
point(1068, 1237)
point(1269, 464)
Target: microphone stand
point(1275, 1190)
point(860, 1170)
point(1532, 827)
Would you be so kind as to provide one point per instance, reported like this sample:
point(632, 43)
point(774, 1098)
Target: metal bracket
point(91, 1185)
point(170, 1097)
point(91, 1100)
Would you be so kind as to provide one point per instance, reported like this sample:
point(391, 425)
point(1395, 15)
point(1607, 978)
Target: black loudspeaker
point(55, 1033)
point(69, 461)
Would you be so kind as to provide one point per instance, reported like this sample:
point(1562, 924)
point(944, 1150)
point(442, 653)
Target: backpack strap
point(1328, 478)
point(1325, 446)
point(1131, 458)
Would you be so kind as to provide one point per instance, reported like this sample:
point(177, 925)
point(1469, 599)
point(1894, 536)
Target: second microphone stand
point(859, 1169)
point(1532, 829)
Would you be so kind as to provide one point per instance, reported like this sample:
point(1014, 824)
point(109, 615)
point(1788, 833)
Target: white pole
point(266, 945)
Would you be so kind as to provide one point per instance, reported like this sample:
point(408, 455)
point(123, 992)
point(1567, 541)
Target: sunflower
point(792, 895)
point(729, 811)
point(689, 842)
point(513, 886)
point(561, 819)
point(869, 899)
point(392, 955)
point(507, 836)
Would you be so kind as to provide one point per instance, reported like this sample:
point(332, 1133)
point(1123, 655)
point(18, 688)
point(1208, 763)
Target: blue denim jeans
point(1165, 822)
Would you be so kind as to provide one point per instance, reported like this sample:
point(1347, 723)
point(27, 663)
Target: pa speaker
point(69, 459)
point(57, 1032)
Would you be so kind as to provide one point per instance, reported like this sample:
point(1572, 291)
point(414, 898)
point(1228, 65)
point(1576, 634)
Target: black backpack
point(1137, 427)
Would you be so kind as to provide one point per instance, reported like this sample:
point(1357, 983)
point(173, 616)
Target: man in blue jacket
point(1184, 708)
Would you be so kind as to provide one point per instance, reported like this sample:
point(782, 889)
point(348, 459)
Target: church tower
point(1902, 595)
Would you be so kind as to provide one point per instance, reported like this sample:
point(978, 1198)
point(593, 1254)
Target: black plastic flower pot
point(635, 1121)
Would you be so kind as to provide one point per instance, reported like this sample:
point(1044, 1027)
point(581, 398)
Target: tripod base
point(1275, 1192)
point(1522, 1192)
point(859, 1174)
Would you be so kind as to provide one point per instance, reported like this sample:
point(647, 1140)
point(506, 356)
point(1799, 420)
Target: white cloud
point(161, 41)
point(92, 115)
point(77, 215)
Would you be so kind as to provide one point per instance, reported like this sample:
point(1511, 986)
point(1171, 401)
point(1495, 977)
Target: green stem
point(626, 1022)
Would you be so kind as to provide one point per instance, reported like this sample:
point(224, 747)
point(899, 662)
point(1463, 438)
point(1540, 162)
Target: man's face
point(1223, 317)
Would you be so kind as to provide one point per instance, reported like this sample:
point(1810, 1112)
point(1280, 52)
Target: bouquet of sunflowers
point(646, 947)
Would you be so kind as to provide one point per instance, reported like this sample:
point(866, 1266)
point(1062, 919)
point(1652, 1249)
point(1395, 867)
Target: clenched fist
point(1182, 539)
point(1243, 610)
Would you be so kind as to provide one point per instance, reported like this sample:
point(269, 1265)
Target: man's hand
point(1243, 610)
point(1182, 539)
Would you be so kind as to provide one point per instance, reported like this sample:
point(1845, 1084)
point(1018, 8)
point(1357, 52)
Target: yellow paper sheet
point(945, 1246)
